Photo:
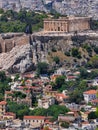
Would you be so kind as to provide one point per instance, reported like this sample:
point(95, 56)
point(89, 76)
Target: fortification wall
point(10, 40)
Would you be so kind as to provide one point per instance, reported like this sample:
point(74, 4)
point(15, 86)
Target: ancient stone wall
point(79, 25)
point(9, 41)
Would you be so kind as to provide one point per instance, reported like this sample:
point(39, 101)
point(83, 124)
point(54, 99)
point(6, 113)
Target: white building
point(46, 102)
point(95, 82)
point(35, 121)
point(90, 95)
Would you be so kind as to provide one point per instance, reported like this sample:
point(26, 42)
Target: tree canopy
point(42, 68)
point(11, 21)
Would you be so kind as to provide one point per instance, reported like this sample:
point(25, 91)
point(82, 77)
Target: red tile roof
point(71, 77)
point(8, 92)
point(61, 95)
point(48, 122)
point(86, 122)
point(10, 114)
point(35, 117)
point(95, 101)
point(3, 103)
point(91, 92)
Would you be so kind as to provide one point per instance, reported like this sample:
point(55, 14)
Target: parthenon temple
point(67, 24)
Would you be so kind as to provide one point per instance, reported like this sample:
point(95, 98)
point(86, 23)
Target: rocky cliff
point(77, 7)
point(48, 45)
point(28, 50)
point(18, 60)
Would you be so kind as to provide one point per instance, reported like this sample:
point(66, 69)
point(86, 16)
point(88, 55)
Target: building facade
point(46, 102)
point(3, 105)
point(35, 121)
point(90, 95)
point(67, 24)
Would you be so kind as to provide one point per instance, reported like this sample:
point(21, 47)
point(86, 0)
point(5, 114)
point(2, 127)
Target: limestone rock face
point(77, 7)
point(19, 59)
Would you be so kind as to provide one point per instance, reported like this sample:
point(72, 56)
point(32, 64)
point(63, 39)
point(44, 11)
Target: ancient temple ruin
point(67, 24)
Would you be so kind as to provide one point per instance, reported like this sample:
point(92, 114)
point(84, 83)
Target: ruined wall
point(79, 25)
point(10, 40)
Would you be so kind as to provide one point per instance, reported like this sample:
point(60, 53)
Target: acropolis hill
point(19, 51)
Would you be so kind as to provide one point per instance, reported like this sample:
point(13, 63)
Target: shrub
point(56, 59)
point(54, 49)
point(75, 53)
point(65, 125)
point(96, 49)
point(67, 53)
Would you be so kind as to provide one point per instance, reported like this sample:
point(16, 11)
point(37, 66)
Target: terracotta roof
point(53, 77)
point(71, 77)
point(8, 92)
point(27, 91)
point(91, 92)
point(48, 122)
point(61, 95)
point(10, 114)
point(35, 117)
point(3, 103)
point(86, 122)
point(95, 101)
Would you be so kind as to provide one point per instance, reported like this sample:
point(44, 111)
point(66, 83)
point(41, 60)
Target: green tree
point(83, 73)
point(76, 96)
point(19, 94)
point(42, 68)
point(2, 76)
point(94, 61)
point(19, 109)
point(92, 115)
point(1, 97)
point(1, 11)
point(60, 81)
point(65, 125)
point(96, 49)
point(56, 59)
point(3, 18)
point(17, 77)
point(53, 111)
point(75, 53)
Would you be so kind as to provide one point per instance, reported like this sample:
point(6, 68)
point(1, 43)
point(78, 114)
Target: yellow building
point(3, 105)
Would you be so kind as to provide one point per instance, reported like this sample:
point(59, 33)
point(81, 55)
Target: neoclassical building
point(67, 24)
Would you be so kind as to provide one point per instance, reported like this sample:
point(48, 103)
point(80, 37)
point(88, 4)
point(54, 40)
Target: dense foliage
point(4, 80)
point(21, 110)
point(65, 125)
point(92, 115)
point(53, 110)
point(42, 68)
point(94, 24)
point(11, 21)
